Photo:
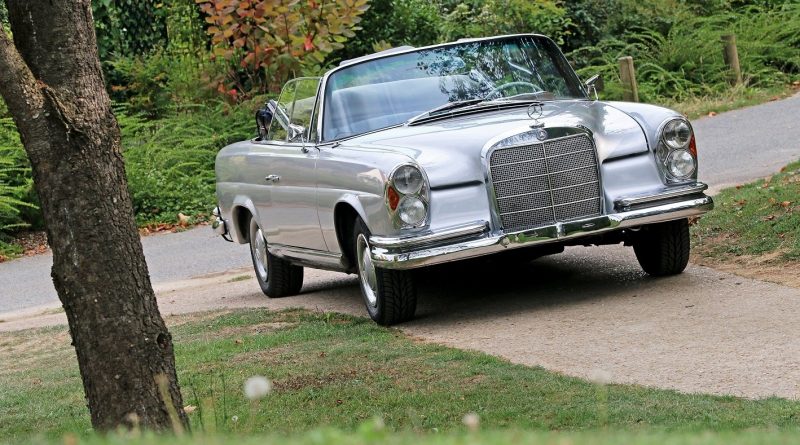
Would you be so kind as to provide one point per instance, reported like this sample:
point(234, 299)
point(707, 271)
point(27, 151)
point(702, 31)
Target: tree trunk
point(51, 80)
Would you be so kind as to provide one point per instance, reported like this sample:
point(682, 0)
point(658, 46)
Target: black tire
point(663, 249)
point(395, 299)
point(282, 277)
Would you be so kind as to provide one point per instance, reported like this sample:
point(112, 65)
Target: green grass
point(759, 218)
point(368, 434)
point(338, 372)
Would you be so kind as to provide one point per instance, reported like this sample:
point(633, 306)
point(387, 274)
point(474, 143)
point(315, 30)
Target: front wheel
point(276, 276)
point(663, 249)
point(389, 295)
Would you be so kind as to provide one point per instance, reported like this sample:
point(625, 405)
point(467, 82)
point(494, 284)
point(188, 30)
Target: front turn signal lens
point(392, 197)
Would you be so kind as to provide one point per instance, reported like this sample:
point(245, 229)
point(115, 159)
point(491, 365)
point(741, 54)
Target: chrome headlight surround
point(676, 152)
point(407, 195)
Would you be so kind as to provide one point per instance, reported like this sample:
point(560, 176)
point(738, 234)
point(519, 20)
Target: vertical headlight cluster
point(407, 196)
point(677, 152)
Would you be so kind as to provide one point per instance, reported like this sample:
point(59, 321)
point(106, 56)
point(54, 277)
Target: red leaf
point(309, 43)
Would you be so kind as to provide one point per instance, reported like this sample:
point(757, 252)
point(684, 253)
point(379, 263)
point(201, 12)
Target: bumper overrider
point(475, 239)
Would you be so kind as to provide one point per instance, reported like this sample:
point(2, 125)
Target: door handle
point(272, 178)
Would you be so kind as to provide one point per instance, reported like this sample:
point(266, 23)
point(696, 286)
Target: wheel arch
point(345, 213)
point(241, 214)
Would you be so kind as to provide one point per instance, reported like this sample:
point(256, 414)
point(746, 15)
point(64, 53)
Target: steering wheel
point(505, 86)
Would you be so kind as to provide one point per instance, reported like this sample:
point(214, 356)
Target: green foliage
point(128, 27)
point(393, 23)
point(495, 17)
point(687, 61)
point(160, 83)
point(170, 161)
point(267, 42)
point(17, 196)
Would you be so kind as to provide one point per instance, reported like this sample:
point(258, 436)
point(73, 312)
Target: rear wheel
point(663, 249)
point(276, 276)
point(389, 295)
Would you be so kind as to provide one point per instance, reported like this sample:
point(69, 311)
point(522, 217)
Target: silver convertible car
point(410, 158)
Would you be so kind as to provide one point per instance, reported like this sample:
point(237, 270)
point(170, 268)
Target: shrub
point(170, 162)
point(126, 28)
point(161, 83)
point(392, 23)
point(268, 41)
point(17, 196)
point(687, 61)
point(493, 17)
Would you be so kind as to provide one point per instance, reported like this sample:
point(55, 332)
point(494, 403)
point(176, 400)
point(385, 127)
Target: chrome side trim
point(672, 192)
point(391, 258)
point(300, 256)
point(461, 231)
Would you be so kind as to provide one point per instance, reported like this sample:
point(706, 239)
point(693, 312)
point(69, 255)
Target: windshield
point(388, 91)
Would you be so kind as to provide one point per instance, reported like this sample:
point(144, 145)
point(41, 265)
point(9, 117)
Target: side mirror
point(263, 121)
point(594, 84)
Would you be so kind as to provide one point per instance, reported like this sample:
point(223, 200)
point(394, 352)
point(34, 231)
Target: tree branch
point(18, 87)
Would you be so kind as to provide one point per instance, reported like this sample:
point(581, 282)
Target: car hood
point(450, 149)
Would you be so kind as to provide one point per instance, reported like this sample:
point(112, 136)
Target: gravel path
point(589, 312)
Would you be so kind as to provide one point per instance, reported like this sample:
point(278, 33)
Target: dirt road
point(589, 312)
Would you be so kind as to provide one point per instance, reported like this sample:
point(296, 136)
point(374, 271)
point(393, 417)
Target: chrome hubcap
point(366, 271)
point(260, 255)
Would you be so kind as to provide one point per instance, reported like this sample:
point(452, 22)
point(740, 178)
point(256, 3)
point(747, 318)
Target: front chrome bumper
point(473, 240)
point(218, 225)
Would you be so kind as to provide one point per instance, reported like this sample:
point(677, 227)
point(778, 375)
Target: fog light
point(681, 164)
point(411, 211)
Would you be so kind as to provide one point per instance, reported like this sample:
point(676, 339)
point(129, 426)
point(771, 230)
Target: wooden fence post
point(731, 56)
point(630, 92)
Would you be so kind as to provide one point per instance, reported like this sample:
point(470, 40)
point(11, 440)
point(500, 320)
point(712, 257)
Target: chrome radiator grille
point(543, 183)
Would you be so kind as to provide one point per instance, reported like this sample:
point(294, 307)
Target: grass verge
point(338, 372)
point(754, 229)
point(369, 434)
point(734, 99)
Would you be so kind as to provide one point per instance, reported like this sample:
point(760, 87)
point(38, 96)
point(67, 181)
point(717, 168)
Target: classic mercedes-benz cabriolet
point(409, 158)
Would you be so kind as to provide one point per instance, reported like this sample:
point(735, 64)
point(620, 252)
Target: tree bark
point(51, 80)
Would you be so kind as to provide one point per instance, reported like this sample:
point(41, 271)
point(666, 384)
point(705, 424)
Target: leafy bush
point(125, 27)
point(17, 196)
point(393, 23)
point(158, 84)
point(687, 61)
point(270, 41)
point(493, 17)
point(170, 162)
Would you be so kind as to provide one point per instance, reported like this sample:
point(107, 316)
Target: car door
point(287, 208)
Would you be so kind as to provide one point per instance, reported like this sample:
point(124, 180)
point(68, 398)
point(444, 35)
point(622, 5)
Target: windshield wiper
point(446, 107)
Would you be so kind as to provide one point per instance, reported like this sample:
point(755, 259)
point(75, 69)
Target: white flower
point(472, 421)
point(600, 376)
point(235, 419)
point(257, 387)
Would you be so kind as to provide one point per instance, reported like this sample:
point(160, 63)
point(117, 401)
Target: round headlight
point(677, 134)
point(411, 211)
point(408, 180)
point(681, 163)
